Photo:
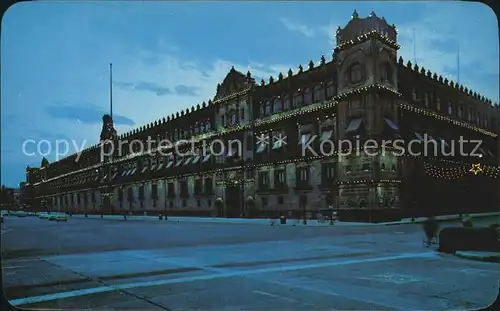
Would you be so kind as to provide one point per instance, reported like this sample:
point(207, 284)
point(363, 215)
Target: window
point(414, 94)
point(242, 113)
point(308, 97)
point(355, 73)
point(130, 194)
point(234, 118)
point(222, 120)
point(328, 171)
point(141, 192)
point(198, 185)
point(450, 108)
point(154, 192)
point(277, 104)
point(297, 100)
point(184, 203)
point(330, 90)
point(267, 108)
point(319, 94)
point(171, 189)
point(209, 203)
point(264, 201)
point(208, 186)
point(183, 188)
point(279, 179)
point(460, 112)
point(120, 194)
point(198, 203)
point(286, 103)
point(426, 100)
point(438, 103)
point(303, 175)
point(263, 180)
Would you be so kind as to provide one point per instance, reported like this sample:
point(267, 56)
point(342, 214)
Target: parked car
point(58, 217)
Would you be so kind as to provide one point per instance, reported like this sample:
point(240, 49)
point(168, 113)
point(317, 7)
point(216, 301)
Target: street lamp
point(165, 198)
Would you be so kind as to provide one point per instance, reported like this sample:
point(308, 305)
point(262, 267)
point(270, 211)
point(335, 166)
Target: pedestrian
point(431, 228)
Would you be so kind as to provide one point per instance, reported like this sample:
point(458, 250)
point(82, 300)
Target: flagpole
point(414, 48)
point(111, 89)
point(458, 63)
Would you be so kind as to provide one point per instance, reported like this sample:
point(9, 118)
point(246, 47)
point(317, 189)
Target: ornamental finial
point(355, 14)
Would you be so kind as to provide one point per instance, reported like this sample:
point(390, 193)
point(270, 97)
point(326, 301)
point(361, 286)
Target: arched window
point(460, 112)
point(267, 109)
point(297, 100)
point(319, 93)
point(450, 108)
point(286, 102)
point(355, 73)
point(277, 104)
point(330, 89)
point(307, 97)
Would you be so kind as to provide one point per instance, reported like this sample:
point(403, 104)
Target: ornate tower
point(108, 138)
point(366, 56)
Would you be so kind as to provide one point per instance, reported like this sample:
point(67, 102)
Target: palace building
point(365, 92)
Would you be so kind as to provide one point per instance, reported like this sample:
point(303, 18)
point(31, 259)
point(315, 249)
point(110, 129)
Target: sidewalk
point(276, 222)
point(261, 221)
point(480, 256)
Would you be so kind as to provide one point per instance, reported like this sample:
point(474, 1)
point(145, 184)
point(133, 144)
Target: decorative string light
point(440, 117)
point(460, 170)
point(366, 37)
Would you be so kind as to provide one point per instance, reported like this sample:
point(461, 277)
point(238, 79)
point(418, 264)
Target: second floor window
point(263, 179)
point(279, 178)
point(303, 174)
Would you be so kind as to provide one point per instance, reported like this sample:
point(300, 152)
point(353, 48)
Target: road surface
point(95, 263)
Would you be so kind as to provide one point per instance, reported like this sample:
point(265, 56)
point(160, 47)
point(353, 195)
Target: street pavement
point(99, 263)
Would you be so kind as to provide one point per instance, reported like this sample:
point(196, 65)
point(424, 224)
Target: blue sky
point(171, 55)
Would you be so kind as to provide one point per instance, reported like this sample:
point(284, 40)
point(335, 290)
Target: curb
point(494, 257)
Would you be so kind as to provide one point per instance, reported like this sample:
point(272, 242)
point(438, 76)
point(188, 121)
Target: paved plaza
point(144, 264)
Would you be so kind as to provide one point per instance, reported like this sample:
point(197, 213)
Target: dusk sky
point(169, 56)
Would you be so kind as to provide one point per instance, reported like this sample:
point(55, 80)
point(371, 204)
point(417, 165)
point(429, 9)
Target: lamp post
point(165, 198)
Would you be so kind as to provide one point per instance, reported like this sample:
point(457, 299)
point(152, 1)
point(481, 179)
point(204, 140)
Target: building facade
point(280, 145)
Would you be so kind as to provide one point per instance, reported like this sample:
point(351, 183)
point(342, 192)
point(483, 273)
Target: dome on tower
point(359, 26)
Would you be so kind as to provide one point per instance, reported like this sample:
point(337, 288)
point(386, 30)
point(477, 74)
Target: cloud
point(84, 113)
point(186, 90)
point(144, 86)
point(301, 28)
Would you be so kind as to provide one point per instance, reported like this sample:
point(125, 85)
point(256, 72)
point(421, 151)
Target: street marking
point(16, 267)
point(274, 296)
point(109, 288)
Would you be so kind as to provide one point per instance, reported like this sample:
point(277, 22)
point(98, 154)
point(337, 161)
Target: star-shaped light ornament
point(476, 169)
point(263, 139)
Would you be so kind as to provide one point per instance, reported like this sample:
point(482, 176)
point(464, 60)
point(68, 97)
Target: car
point(43, 216)
point(58, 217)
